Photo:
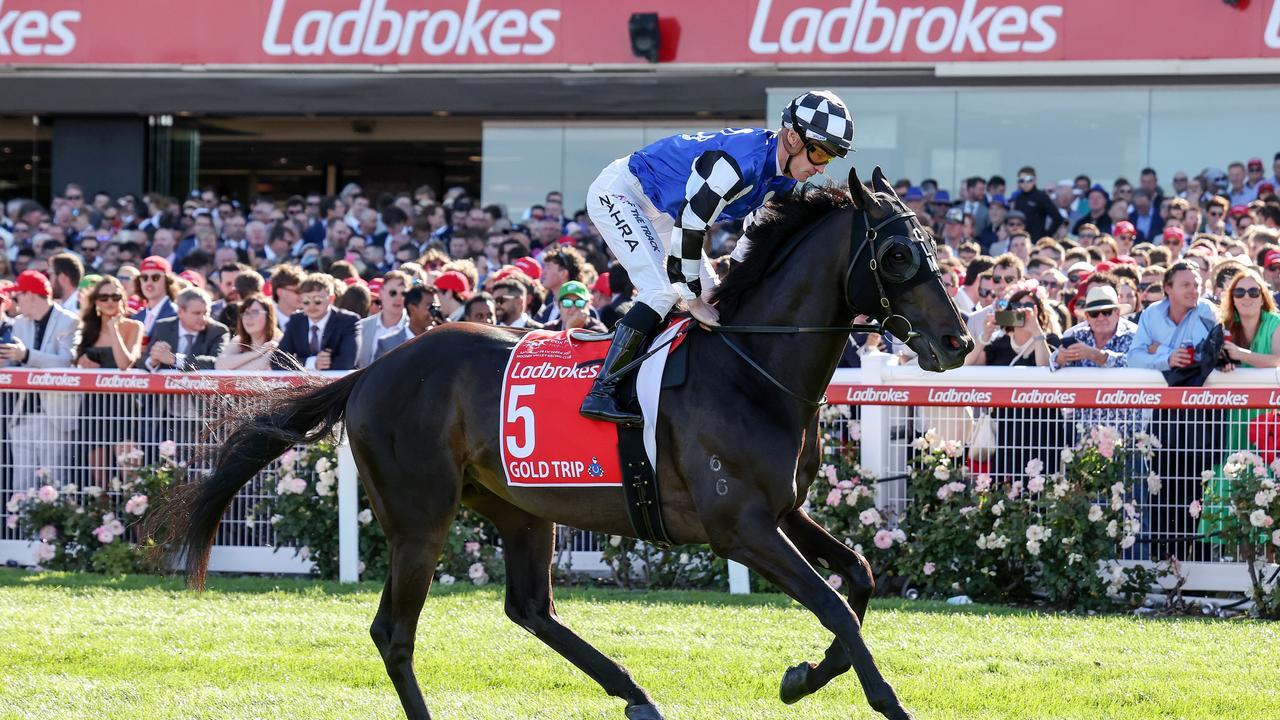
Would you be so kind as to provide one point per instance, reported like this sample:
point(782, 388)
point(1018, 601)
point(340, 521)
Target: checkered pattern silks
point(716, 181)
point(821, 116)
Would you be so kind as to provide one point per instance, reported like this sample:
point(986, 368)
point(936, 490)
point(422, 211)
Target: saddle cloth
point(544, 441)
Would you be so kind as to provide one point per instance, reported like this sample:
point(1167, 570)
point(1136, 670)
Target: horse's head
point(894, 277)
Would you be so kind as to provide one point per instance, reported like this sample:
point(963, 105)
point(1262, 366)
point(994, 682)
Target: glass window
point(1062, 133)
point(519, 164)
point(1196, 128)
point(587, 150)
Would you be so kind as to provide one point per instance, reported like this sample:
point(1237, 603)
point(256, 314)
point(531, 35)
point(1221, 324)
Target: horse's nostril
point(953, 342)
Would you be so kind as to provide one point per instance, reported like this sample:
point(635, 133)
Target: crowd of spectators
point(1067, 274)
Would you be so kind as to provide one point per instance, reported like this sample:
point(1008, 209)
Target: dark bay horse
point(737, 452)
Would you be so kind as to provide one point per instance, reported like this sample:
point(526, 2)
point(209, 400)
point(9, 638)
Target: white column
point(875, 427)
point(739, 579)
point(348, 527)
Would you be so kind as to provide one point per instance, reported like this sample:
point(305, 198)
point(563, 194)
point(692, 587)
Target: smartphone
point(1069, 341)
point(1009, 318)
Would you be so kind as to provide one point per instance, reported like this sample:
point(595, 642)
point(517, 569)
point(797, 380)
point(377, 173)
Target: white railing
point(75, 421)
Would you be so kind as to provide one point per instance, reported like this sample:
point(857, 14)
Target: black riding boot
point(629, 336)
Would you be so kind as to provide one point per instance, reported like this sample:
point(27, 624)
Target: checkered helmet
point(821, 118)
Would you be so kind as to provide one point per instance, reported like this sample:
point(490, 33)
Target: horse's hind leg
point(416, 533)
point(822, 550)
point(528, 545)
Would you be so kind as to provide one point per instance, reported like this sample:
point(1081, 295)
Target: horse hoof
point(648, 711)
point(795, 683)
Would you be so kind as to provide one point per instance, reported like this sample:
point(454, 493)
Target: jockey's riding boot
point(602, 403)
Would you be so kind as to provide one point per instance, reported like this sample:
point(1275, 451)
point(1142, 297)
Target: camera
point(1010, 318)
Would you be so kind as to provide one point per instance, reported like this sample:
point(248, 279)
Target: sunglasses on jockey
point(818, 153)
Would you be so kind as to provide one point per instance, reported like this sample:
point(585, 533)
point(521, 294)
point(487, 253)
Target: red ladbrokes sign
point(262, 34)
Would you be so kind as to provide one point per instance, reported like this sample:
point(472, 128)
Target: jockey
point(655, 207)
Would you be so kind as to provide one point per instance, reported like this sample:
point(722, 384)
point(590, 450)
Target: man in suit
point(45, 335)
point(383, 332)
point(190, 341)
point(321, 337)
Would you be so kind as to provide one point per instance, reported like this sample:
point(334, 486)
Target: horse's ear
point(861, 197)
point(881, 183)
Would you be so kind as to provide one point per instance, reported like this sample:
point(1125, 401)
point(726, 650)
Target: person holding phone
point(1020, 330)
point(1103, 339)
point(109, 339)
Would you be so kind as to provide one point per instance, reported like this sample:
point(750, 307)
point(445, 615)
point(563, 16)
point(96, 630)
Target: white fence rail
point(76, 424)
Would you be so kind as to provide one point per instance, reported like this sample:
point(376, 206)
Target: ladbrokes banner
point(266, 34)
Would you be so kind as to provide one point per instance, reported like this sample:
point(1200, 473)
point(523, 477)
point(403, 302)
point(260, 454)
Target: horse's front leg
point(752, 537)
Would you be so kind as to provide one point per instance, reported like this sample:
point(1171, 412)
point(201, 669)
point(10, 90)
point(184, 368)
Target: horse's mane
point(782, 219)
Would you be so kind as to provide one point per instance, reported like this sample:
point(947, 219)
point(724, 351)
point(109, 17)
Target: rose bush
point(1242, 509)
point(92, 528)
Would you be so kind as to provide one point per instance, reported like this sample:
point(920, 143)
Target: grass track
point(143, 648)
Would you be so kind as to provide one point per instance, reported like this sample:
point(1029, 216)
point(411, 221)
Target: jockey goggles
point(818, 154)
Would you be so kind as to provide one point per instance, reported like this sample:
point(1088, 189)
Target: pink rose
point(835, 581)
point(11, 522)
point(472, 548)
point(929, 568)
point(47, 494)
point(1035, 484)
point(104, 534)
point(831, 475)
point(137, 505)
point(44, 553)
point(883, 539)
point(1194, 508)
point(48, 533)
point(168, 449)
point(833, 497)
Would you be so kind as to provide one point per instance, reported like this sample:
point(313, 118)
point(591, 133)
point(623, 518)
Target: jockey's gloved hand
point(704, 312)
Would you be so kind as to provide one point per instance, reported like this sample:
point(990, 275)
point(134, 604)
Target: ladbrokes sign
point(262, 34)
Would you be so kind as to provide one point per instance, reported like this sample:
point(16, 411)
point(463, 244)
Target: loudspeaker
point(646, 36)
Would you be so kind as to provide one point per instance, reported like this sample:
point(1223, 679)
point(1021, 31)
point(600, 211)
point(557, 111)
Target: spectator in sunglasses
point(1249, 314)
point(386, 330)
point(574, 301)
point(1007, 270)
point(321, 337)
point(1042, 214)
point(155, 285)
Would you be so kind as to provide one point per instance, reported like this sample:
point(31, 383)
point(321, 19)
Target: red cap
point(1272, 257)
point(375, 285)
point(454, 281)
point(155, 262)
point(266, 288)
point(1239, 211)
point(602, 285)
point(529, 267)
point(1124, 260)
point(31, 281)
point(1104, 266)
point(1124, 227)
point(1173, 231)
point(569, 240)
point(1265, 188)
point(190, 276)
point(1255, 163)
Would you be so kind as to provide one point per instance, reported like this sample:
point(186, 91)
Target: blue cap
point(999, 200)
point(941, 197)
point(1097, 187)
point(913, 193)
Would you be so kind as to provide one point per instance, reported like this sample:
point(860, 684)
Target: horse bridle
point(921, 250)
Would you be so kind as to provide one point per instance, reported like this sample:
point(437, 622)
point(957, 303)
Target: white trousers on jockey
point(639, 234)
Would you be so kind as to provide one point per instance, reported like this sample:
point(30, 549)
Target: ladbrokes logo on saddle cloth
point(544, 441)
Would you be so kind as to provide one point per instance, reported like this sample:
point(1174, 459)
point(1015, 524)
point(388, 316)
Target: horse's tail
point(190, 515)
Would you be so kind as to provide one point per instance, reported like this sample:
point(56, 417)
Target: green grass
point(90, 647)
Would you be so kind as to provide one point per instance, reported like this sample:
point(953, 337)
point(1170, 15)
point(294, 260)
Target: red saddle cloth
point(545, 442)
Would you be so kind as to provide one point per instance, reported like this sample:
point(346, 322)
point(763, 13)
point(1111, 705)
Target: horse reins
point(869, 240)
